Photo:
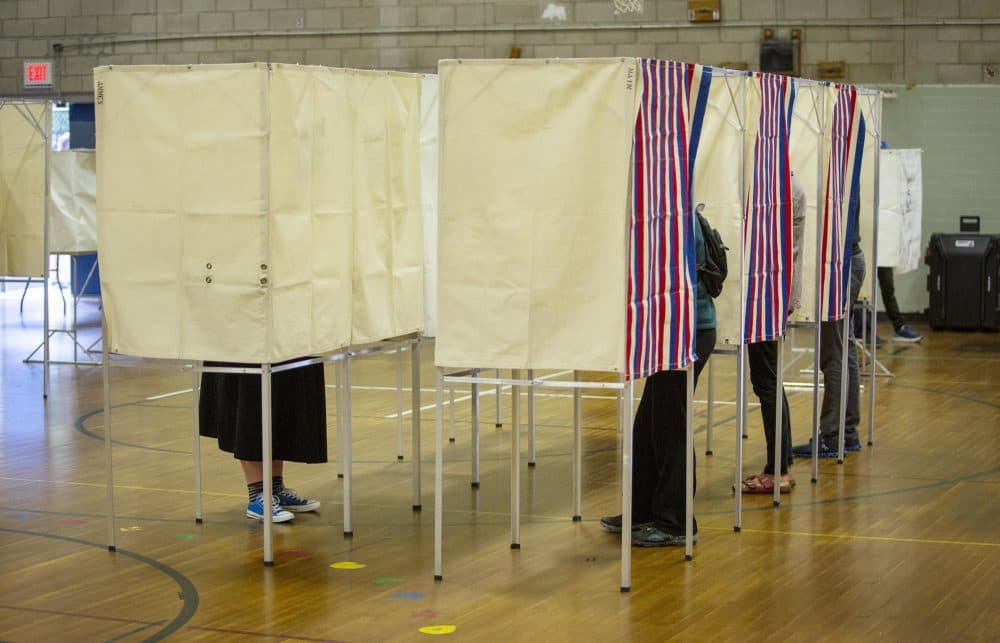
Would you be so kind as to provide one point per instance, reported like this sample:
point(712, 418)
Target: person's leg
point(763, 359)
point(887, 286)
point(253, 472)
point(853, 416)
point(646, 450)
point(670, 417)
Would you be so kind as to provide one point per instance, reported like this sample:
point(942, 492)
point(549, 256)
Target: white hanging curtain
point(22, 189)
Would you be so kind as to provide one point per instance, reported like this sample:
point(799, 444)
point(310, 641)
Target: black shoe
point(614, 524)
point(852, 445)
point(650, 536)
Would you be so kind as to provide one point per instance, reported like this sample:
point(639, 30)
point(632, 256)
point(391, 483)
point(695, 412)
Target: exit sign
point(38, 73)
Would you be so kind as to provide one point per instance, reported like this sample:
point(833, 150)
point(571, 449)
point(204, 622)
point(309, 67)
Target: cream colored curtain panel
point(871, 111)
point(805, 143)
point(73, 204)
point(429, 193)
point(22, 188)
point(717, 185)
point(534, 185)
point(230, 215)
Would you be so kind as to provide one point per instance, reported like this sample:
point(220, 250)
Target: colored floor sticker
point(188, 536)
point(387, 580)
point(438, 629)
point(348, 565)
point(132, 528)
point(295, 553)
point(23, 517)
point(409, 596)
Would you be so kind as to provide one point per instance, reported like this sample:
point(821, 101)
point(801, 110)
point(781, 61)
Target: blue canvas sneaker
point(255, 509)
point(290, 501)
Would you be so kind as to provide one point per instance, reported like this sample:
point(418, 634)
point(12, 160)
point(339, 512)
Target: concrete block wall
point(881, 41)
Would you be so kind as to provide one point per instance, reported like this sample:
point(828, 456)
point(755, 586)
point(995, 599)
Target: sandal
point(763, 483)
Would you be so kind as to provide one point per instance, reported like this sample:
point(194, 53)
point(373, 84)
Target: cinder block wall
point(882, 41)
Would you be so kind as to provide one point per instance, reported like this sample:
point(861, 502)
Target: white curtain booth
point(282, 222)
point(900, 210)
point(73, 206)
point(256, 213)
point(536, 245)
point(23, 147)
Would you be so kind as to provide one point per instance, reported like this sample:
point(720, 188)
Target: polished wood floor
point(898, 543)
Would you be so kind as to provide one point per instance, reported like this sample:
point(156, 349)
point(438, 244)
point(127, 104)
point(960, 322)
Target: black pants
point(763, 357)
point(658, 443)
point(887, 286)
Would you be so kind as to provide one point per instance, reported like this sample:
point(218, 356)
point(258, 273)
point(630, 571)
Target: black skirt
point(229, 409)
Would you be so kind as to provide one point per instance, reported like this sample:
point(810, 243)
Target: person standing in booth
point(229, 410)
point(763, 359)
point(659, 439)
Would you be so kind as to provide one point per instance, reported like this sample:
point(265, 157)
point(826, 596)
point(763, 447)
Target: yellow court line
point(922, 541)
point(101, 485)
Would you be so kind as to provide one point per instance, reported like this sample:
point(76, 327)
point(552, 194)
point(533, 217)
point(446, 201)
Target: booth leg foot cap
point(515, 545)
point(577, 518)
point(438, 577)
point(268, 563)
point(736, 528)
point(111, 548)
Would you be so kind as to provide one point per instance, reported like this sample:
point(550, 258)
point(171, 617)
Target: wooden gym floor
point(898, 543)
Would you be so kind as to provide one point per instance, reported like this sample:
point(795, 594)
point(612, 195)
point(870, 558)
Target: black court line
point(79, 425)
point(188, 592)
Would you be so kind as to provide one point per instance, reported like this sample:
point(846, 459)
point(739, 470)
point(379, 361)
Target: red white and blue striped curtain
point(842, 177)
point(661, 258)
point(767, 222)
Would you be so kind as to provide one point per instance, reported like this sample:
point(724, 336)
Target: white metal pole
point(266, 454)
point(741, 347)
point(399, 403)
point(451, 412)
point(499, 422)
point(779, 402)
point(577, 465)
point(626, 569)
point(741, 417)
point(438, 466)
point(348, 456)
point(709, 407)
point(415, 420)
point(475, 432)
point(341, 416)
point(196, 446)
point(874, 262)
point(109, 491)
point(689, 468)
point(819, 100)
point(531, 419)
point(45, 212)
point(845, 345)
point(515, 463)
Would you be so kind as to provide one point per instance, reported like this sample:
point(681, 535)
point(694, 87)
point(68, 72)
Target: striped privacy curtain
point(767, 229)
point(661, 260)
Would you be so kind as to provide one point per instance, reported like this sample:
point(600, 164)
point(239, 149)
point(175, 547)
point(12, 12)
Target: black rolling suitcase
point(962, 283)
